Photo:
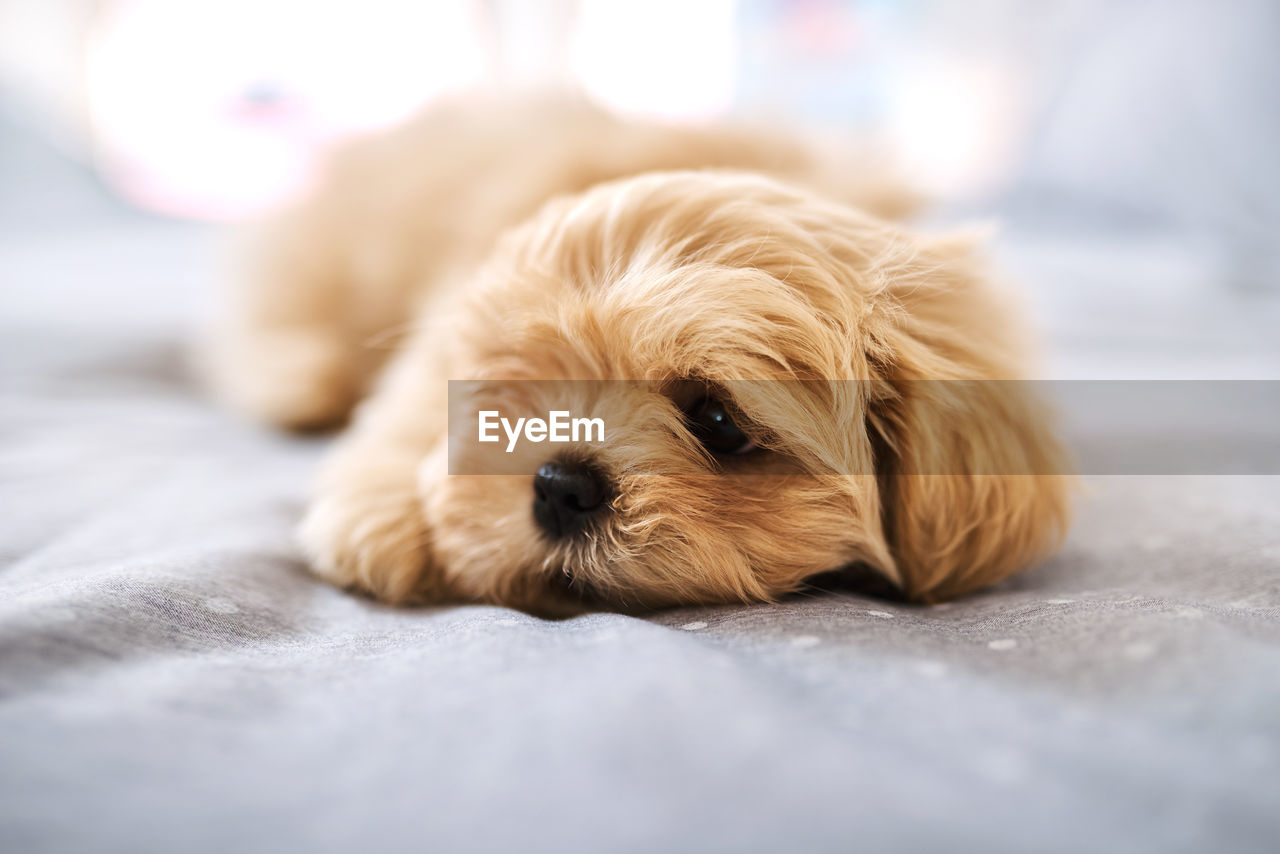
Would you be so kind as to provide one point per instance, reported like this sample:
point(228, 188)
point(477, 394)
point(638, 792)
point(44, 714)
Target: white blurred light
point(664, 58)
point(217, 109)
point(951, 126)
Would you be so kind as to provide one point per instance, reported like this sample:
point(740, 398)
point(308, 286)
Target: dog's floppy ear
point(973, 481)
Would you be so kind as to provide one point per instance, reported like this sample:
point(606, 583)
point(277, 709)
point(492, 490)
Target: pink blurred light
point(221, 110)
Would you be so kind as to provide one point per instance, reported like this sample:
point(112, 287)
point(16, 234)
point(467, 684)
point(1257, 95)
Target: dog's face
point(751, 350)
point(688, 500)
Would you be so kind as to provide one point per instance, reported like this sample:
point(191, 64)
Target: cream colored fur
point(763, 282)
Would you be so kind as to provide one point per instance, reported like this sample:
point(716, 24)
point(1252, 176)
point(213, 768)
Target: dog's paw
point(295, 379)
point(370, 535)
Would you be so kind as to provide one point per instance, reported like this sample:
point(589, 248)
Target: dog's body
point(691, 298)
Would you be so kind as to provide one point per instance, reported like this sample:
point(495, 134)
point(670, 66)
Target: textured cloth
point(171, 678)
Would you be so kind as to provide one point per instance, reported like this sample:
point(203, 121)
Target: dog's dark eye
point(711, 424)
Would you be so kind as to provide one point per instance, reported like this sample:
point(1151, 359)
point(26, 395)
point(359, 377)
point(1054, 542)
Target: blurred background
point(1128, 147)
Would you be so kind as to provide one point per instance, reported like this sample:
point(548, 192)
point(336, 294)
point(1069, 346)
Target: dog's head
point(789, 387)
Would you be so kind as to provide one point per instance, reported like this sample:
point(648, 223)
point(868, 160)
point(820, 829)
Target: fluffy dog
point(792, 385)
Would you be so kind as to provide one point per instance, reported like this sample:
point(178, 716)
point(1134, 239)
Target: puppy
point(791, 385)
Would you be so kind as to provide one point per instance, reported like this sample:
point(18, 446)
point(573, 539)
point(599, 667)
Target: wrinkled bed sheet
point(172, 679)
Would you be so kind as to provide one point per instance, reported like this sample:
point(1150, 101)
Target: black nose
point(566, 495)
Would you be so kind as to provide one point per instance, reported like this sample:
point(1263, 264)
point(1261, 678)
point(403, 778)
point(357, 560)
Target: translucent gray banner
point(855, 427)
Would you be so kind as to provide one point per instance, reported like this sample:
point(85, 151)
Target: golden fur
point(764, 284)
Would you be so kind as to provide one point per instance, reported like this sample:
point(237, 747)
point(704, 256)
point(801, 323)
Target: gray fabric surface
point(172, 679)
